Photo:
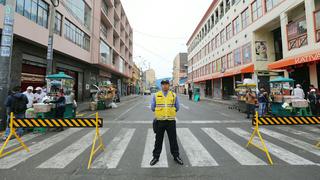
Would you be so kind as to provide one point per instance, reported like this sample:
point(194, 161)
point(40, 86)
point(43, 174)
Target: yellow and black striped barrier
point(273, 121)
point(287, 120)
point(55, 123)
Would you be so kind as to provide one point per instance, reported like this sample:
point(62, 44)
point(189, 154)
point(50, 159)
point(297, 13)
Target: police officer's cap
point(165, 82)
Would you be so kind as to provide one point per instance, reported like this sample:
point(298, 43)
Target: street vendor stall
point(282, 103)
point(241, 92)
point(106, 93)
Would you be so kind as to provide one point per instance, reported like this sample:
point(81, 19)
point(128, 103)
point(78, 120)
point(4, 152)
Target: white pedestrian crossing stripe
point(147, 155)
point(114, 151)
point(21, 156)
point(277, 151)
point(66, 156)
point(196, 152)
point(239, 153)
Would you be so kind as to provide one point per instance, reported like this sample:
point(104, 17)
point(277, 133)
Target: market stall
point(104, 97)
point(241, 92)
point(283, 104)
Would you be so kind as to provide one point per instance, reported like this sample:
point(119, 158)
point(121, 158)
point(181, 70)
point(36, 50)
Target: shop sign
point(309, 58)
point(5, 51)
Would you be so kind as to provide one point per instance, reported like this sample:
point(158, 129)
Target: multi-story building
point(180, 65)
point(92, 43)
point(136, 80)
point(149, 78)
point(258, 39)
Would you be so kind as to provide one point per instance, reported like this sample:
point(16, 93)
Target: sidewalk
point(84, 106)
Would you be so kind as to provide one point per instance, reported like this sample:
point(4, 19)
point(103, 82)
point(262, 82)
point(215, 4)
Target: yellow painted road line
point(92, 114)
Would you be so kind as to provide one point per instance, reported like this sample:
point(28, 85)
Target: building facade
point(92, 43)
point(258, 39)
point(180, 66)
point(149, 78)
point(136, 80)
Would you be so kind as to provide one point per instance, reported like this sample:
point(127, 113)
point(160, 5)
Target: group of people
point(19, 103)
point(262, 99)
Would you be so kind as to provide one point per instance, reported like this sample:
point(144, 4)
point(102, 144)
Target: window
point(3, 2)
point(80, 10)
point(105, 53)
point(317, 25)
point(121, 65)
point(235, 2)
point(213, 44)
point(217, 40)
point(228, 5)
point(223, 36)
point(214, 67)
point(224, 64)
point(236, 25)
point(270, 4)
point(229, 32)
point(76, 35)
point(230, 60)
point(221, 10)
point(35, 10)
point(245, 17)
point(218, 65)
point(256, 9)
point(57, 23)
point(246, 53)
point(237, 57)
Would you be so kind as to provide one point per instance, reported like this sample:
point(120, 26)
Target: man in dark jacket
point(16, 103)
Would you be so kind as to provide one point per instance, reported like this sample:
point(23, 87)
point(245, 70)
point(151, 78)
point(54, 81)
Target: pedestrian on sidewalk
point(251, 102)
point(165, 104)
point(16, 103)
point(298, 92)
point(263, 101)
point(190, 93)
point(60, 107)
point(314, 100)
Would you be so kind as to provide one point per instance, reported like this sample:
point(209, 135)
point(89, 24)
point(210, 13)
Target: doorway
point(301, 76)
point(277, 44)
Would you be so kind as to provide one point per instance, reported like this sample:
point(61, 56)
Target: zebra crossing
point(198, 154)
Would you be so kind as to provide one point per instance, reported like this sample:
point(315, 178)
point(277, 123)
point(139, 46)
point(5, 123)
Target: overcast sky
point(161, 29)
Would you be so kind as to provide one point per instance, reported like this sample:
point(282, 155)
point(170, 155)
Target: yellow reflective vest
point(165, 109)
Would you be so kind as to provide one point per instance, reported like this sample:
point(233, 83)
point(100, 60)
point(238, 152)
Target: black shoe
point(178, 160)
point(154, 161)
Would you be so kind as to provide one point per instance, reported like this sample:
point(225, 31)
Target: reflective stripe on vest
point(165, 109)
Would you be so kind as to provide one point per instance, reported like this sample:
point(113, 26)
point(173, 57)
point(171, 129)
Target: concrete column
point(310, 8)
point(284, 22)
point(313, 74)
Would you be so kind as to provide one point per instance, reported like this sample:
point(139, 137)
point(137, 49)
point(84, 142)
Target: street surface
point(211, 138)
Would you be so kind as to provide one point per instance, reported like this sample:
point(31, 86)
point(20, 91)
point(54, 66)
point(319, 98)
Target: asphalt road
point(211, 138)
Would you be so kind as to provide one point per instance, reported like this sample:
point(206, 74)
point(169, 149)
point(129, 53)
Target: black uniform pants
point(170, 127)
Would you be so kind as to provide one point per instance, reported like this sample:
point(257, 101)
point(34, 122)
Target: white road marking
point(224, 114)
point(300, 133)
point(66, 156)
point(128, 110)
point(21, 156)
point(294, 142)
point(243, 156)
point(147, 155)
point(24, 138)
point(275, 150)
point(196, 153)
point(184, 106)
point(312, 129)
point(115, 150)
point(184, 122)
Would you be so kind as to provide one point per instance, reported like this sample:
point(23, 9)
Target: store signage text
point(309, 58)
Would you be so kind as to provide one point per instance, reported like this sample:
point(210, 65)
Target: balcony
point(297, 34)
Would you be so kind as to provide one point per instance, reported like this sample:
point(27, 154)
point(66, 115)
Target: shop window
point(230, 60)
point(229, 32)
point(257, 10)
point(223, 36)
point(317, 25)
point(245, 17)
point(236, 26)
point(297, 34)
point(237, 57)
point(246, 53)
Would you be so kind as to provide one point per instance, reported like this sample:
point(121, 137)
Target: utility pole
point(54, 4)
point(5, 56)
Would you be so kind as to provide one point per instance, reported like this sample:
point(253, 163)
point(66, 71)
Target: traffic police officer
point(165, 104)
